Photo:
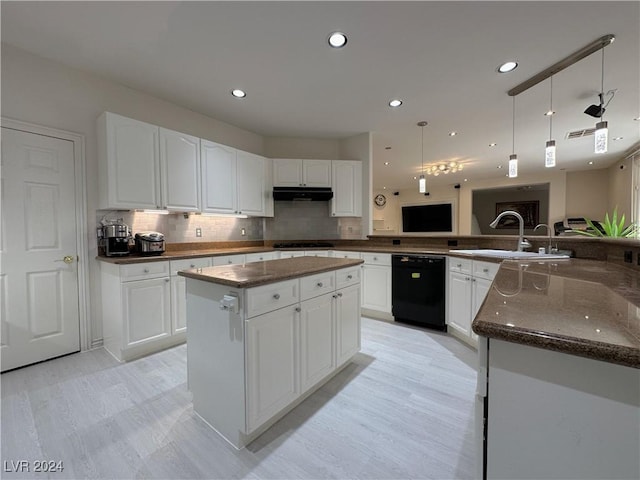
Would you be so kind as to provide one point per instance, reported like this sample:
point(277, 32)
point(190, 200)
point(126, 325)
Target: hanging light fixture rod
point(575, 57)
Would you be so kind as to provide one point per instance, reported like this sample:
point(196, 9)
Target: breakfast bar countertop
point(581, 307)
point(268, 271)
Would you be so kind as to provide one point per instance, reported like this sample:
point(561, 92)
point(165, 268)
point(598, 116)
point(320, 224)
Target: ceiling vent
point(585, 132)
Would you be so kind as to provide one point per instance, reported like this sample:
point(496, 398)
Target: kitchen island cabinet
point(558, 391)
point(263, 336)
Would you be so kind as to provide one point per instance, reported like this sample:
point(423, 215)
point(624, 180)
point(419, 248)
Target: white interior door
point(39, 274)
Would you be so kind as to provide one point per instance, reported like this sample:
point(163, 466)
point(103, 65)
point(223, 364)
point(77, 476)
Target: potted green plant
point(610, 227)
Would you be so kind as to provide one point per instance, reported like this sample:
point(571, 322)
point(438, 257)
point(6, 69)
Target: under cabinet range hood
point(302, 193)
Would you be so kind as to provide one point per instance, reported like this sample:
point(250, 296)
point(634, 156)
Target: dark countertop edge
point(129, 259)
point(192, 273)
point(621, 355)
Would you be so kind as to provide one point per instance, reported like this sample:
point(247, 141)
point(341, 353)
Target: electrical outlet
point(243, 232)
point(198, 232)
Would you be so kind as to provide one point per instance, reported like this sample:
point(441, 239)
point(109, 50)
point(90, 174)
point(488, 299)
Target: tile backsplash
point(292, 221)
point(176, 228)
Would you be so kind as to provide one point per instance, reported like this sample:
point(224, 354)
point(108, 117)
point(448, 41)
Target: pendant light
point(602, 132)
point(513, 158)
point(422, 183)
point(550, 150)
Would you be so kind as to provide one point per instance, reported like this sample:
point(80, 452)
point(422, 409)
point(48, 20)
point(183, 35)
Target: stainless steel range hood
point(302, 193)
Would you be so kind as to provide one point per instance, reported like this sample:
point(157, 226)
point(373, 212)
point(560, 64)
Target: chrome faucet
point(548, 233)
point(522, 242)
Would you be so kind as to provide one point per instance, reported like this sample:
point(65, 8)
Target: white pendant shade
point(601, 137)
point(550, 154)
point(513, 166)
point(422, 184)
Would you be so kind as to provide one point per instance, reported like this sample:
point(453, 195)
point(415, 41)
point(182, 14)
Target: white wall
point(284, 147)
point(621, 187)
point(588, 193)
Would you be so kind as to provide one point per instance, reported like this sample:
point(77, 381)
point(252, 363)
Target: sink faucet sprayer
point(522, 243)
point(549, 249)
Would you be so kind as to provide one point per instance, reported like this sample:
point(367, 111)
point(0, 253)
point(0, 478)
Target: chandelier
point(444, 167)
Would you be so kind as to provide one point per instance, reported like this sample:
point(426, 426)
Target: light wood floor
point(402, 409)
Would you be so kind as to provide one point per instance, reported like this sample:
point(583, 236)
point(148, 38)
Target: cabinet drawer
point(260, 256)
point(344, 254)
point(460, 265)
point(141, 271)
point(228, 260)
point(315, 285)
point(270, 297)
point(291, 254)
point(347, 276)
point(316, 253)
point(187, 263)
point(486, 270)
point(377, 258)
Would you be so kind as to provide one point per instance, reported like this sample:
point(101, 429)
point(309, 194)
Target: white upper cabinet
point(251, 187)
point(301, 173)
point(180, 171)
point(128, 163)
point(218, 178)
point(347, 188)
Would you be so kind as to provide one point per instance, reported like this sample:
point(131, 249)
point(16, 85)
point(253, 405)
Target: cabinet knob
point(276, 296)
point(166, 279)
point(349, 277)
point(229, 261)
point(193, 265)
point(146, 270)
point(485, 270)
point(298, 309)
point(375, 259)
point(319, 284)
point(334, 295)
point(467, 278)
point(459, 265)
point(473, 279)
point(340, 294)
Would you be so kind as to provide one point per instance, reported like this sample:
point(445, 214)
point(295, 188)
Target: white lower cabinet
point(136, 309)
point(272, 364)
point(469, 284)
point(251, 363)
point(179, 291)
point(317, 351)
point(347, 324)
point(376, 282)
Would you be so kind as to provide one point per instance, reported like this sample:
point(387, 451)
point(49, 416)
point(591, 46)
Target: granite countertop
point(268, 271)
point(581, 307)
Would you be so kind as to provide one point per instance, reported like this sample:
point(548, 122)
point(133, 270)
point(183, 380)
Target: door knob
point(66, 259)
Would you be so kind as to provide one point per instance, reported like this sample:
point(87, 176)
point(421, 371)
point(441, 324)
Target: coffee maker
point(114, 239)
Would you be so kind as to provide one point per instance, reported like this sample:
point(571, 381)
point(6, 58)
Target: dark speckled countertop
point(269, 271)
point(581, 307)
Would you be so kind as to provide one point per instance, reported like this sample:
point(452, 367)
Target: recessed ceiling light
point(415, 178)
point(337, 40)
point(499, 166)
point(493, 144)
point(453, 134)
point(395, 103)
point(637, 119)
point(384, 188)
point(591, 162)
point(549, 113)
point(618, 138)
point(507, 67)
point(466, 179)
point(386, 163)
point(236, 92)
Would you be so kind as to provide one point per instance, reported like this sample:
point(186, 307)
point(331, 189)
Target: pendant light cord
point(602, 87)
point(513, 132)
point(422, 150)
point(551, 109)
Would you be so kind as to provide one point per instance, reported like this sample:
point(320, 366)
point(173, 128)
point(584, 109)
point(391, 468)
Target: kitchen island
point(558, 393)
point(263, 336)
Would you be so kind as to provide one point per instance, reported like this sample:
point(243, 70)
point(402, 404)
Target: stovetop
point(303, 245)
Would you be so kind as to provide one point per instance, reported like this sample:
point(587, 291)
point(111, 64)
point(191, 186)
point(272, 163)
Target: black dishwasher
point(417, 290)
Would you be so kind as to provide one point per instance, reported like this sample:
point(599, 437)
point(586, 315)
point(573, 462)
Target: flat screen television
point(428, 218)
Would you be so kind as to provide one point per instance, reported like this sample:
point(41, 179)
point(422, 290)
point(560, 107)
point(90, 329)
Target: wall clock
point(380, 200)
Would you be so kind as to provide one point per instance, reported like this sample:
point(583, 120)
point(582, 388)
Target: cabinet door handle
point(319, 284)
point(277, 296)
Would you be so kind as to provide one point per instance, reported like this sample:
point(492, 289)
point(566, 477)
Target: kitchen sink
point(510, 254)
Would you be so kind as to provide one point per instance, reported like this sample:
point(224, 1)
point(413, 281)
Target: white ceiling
point(438, 57)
